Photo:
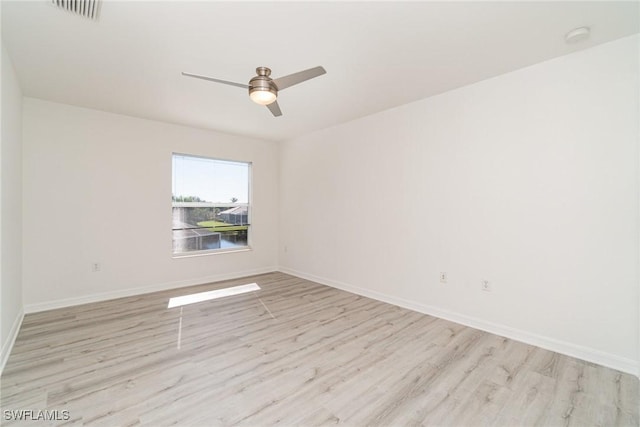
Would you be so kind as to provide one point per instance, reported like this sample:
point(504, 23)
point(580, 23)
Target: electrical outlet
point(95, 267)
point(486, 285)
point(443, 277)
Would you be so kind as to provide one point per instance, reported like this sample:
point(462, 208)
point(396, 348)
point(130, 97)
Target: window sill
point(211, 252)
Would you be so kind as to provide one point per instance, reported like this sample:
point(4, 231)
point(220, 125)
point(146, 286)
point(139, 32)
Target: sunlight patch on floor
point(206, 296)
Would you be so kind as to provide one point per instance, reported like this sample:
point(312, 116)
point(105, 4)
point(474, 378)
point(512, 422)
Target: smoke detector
point(86, 8)
point(577, 35)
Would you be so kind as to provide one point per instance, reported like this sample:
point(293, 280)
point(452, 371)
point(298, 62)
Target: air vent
point(86, 8)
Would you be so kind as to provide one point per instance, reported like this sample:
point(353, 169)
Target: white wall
point(528, 180)
point(11, 308)
point(97, 188)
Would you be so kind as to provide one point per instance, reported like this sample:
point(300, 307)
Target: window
point(210, 204)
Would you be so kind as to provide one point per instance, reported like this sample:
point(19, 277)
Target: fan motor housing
point(262, 84)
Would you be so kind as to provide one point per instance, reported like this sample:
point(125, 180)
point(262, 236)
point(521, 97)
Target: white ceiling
point(378, 55)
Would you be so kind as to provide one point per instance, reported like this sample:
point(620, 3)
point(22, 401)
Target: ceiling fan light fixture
point(263, 90)
point(262, 96)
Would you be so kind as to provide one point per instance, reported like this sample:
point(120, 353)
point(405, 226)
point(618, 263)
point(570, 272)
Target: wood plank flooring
point(294, 353)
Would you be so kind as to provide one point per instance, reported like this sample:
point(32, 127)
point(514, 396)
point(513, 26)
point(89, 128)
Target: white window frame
point(249, 205)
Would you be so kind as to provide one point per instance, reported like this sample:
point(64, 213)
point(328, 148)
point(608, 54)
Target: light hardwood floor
point(295, 353)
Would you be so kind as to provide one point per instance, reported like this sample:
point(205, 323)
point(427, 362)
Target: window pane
point(210, 204)
point(211, 180)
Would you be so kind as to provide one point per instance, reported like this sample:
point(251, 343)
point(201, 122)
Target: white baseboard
point(105, 296)
point(599, 357)
point(7, 345)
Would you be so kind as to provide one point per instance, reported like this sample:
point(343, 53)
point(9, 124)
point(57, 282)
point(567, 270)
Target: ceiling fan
point(263, 89)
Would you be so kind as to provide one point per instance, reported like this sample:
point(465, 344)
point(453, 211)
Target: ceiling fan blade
point(274, 108)
point(299, 77)
point(216, 80)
